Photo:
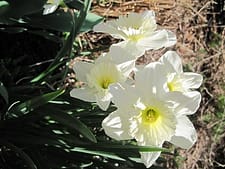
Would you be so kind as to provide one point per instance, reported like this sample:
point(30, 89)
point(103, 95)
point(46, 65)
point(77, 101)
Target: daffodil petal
point(116, 125)
point(150, 81)
point(158, 39)
point(121, 93)
point(82, 69)
point(105, 57)
point(49, 8)
point(187, 103)
point(125, 51)
point(172, 61)
point(148, 14)
point(149, 158)
point(85, 94)
point(191, 80)
point(185, 134)
point(135, 49)
point(103, 100)
point(109, 27)
point(126, 67)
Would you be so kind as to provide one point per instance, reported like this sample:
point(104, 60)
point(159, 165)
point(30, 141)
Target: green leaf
point(115, 151)
point(4, 93)
point(76, 22)
point(4, 7)
point(29, 162)
point(66, 49)
point(36, 102)
point(73, 123)
point(20, 8)
point(47, 35)
point(119, 148)
point(13, 29)
point(101, 153)
point(75, 4)
point(90, 21)
point(81, 17)
point(29, 139)
point(49, 70)
point(3, 3)
point(59, 20)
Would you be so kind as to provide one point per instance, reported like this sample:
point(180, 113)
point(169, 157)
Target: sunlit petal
point(191, 80)
point(51, 6)
point(149, 158)
point(172, 61)
point(187, 103)
point(85, 94)
point(82, 69)
point(116, 125)
point(103, 100)
point(185, 135)
point(158, 39)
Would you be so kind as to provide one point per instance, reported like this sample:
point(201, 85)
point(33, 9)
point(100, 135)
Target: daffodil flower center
point(102, 75)
point(135, 37)
point(134, 33)
point(150, 115)
point(105, 83)
point(174, 84)
point(171, 86)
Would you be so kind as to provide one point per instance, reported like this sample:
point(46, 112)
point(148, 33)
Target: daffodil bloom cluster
point(154, 107)
point(150, 112)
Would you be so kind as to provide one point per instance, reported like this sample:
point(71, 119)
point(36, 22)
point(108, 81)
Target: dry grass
point(202, 49)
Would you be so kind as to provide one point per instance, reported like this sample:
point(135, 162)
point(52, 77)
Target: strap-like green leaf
point(118, 147)
point(20, 8)
point(75, 4)
point(4, 93)
point(60, 21)
point(36, 102)
point(73, 123)
point(29, 162)
point(90, 21)
point(81, 17)
point(3, 3)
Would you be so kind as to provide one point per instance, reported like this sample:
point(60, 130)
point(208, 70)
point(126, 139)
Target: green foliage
point(40, 122)
point(4, 93)
point(216, 120)
point(218, 129)
point(14, 10)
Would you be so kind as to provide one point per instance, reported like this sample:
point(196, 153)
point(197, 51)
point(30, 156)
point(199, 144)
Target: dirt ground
point(199, 26)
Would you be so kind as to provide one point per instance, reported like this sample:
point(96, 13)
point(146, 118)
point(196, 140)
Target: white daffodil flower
point(150, 115)
point(138, 30)
point(98, 77)
point(51, 6)
point(177, 80)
